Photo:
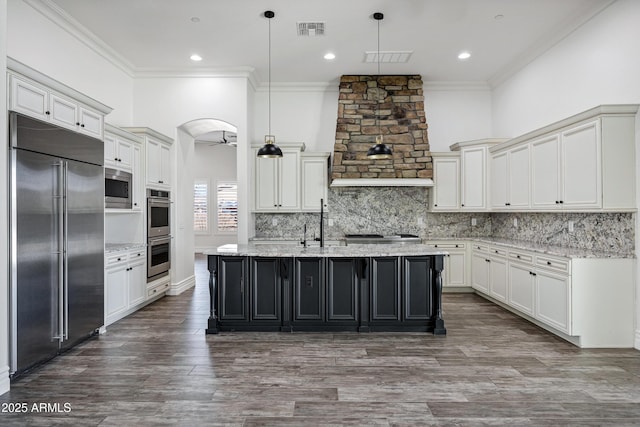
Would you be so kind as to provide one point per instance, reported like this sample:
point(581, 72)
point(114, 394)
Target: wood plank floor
point(157, 367)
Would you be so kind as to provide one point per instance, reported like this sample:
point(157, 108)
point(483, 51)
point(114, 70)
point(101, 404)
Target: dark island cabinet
point(269, 279)
point(417, 302)
point(233, 292)
point(308, 302)
point(342, 291)
point(324, 293)
point(385, 290)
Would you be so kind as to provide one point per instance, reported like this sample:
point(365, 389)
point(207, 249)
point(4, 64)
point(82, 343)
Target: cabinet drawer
point(116, 259)
point(158, 289)
point(521, 256)
point(137, 255)
point(552, 263)
point(480, 247)
point(449, 245)
point(497, 251)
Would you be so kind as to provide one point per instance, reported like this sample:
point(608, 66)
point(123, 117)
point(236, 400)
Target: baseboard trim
point(5, 383)
point(183, 285)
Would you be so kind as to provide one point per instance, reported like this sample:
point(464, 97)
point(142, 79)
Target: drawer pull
point(548, 262)
point(518, 256)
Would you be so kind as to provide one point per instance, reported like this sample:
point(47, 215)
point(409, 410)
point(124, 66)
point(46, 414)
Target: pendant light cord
point(378, 86)
point(269, 76)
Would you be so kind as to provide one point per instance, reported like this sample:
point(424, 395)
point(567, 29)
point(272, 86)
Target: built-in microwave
point(118, 186)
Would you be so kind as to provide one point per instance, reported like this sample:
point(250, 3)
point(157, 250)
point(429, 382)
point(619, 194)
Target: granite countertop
point(329, 251)
point(117, 247)
point(563, 251)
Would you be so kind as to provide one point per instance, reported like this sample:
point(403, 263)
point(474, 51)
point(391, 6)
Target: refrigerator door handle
point(59, 210)
point(65, 256)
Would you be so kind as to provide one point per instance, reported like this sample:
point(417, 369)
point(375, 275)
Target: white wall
point(455, 112)
point(39, 43)
point(597, 64)
point(4, 222)
point(214, 163)
point(164, 104)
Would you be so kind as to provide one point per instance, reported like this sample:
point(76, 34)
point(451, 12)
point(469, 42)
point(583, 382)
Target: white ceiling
point(159, 35)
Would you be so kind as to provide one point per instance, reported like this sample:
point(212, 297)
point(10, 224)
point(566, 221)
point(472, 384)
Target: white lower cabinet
point(125, 282)
point(456, 270)
point(588, 301)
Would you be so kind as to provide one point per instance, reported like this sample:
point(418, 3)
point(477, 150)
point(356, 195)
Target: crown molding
point(461, 86)
point(298, 87)
point(58, 16)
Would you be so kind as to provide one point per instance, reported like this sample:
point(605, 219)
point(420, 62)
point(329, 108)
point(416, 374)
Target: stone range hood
point(400, 110)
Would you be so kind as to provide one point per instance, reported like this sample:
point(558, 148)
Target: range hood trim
point(382, 182)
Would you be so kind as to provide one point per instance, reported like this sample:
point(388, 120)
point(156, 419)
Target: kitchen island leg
point(438, 266)
point(212, 322)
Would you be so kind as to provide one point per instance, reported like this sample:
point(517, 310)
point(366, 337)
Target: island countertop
point(358, 251)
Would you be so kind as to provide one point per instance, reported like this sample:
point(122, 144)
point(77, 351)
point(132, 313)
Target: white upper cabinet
point(123, 151)
point(545, 172)
point(36, 96)
point(499, 181)
point(581, 176)
point(473, 193)
point(315, 181)
point(158, 154)
point(445, 194)
point(509, 171)
point(278, 181)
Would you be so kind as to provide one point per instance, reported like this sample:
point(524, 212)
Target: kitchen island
point(339, 288)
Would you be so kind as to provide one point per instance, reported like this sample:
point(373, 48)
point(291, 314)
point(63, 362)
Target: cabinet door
point(154, 175)
point(480, 272)
point(446, 178)
point(385, 289)
point(521, 288)
point(91, 123)
point(518, 196)
point(314, 183)
point(499, 181)
point(110, 150)
point(308, 291)
point(581, 167)
point(138, 183)
point(498, 278)
point(545, 169)
point(342, 286)
point(473, 179)
point(289, 177)
point(124, 152)
point(116, 290)
point(165, 165)
point(266, 289)
point(553, 300)
point(137, 282)
point(455, 268)
point(266, 188)
point(233, 298)
point(417, 299)
point(64, 113)
point(29, 99)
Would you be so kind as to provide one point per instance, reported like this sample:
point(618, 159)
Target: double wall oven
point(158, 234)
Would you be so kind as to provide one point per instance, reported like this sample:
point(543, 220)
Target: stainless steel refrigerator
point(57, 239)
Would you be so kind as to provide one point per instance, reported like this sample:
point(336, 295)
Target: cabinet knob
point(82, 125)
point(119, 259)
point(77, 123)
point(160, 182)
point(518, 256)
point(548, 262)
point(462, 204)
point(47, 112)
point(557, 202)
point(435, 204)
point(457, 246)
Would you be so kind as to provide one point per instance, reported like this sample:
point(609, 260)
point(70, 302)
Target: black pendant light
point(270, 149)
point(380, 150)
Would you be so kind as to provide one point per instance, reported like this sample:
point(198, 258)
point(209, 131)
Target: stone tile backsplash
point(390, 210)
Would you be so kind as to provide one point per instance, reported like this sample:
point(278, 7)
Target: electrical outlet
point(274, 221)
point(420, 220)
point(570, 226)
point(474, 222)
point(515, 222)
point(330, 221)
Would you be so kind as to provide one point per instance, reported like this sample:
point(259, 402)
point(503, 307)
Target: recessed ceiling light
point(329, 56)
point(196, 57)
point(195, 19)
point(464, 55)
point(498, 17)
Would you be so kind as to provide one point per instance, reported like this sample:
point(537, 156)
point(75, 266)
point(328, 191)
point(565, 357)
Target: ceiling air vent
point(390, 56)
point(311, 28)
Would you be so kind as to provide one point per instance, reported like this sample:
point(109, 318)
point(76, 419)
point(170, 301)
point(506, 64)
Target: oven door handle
point(159, 240)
